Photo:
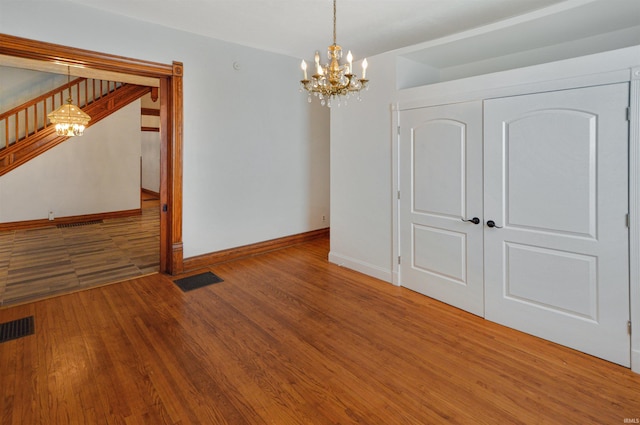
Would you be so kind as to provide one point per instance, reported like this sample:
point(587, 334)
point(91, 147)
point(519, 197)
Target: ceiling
point(368, 27)
point(299, 27)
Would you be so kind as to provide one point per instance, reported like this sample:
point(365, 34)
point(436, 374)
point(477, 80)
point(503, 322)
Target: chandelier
point(333, 81)
point(69, 119)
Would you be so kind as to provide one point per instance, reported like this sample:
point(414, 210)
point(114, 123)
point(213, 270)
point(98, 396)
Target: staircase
point(25, 131)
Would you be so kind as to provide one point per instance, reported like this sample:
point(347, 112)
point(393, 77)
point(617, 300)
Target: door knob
point(492, 223)
point(474, 220)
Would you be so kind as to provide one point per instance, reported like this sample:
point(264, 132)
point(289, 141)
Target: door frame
point(570, 74)
point(169, 77)
point(634, 216)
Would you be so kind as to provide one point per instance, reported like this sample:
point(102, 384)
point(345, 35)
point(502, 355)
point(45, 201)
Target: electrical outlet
point(324, 218)
point(51, 215)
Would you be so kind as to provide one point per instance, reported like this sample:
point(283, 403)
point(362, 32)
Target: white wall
point(20, 85)
point(151, 144)
point(362, 172)
point(361, 175)
point(255, 164)
point(150, 151)
point(98, 172)
point(362, 196)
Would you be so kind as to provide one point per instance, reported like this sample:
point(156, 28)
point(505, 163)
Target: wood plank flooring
point(288, 338)
point(41, 262)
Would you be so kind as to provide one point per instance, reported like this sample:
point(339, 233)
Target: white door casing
point(441, 180)
point(556, 180)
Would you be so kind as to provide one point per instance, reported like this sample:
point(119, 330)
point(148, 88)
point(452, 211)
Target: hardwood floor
point(288, 338)
point(41, 262)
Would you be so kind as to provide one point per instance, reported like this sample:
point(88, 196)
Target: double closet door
point(515, 209)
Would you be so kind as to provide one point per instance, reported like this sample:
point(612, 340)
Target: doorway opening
point(40, 55)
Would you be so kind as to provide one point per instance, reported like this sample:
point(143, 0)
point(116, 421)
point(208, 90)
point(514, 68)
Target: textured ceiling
point(299, 27)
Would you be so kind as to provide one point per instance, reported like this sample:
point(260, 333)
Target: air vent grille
point(16, 329)
point(83, 223)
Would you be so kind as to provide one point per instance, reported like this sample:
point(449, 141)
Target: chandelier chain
point(334, 22)
point(69, 100)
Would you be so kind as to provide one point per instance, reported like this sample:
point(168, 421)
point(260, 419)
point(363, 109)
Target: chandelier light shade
point(333, 82)
point(69, 119)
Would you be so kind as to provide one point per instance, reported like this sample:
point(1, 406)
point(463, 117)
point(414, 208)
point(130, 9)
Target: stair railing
point(31, 117)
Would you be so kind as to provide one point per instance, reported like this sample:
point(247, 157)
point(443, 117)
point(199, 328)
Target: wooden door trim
point(170, 79)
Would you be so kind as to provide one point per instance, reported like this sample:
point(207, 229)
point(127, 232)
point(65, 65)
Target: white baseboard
point(396, 277)
point(361, 266)
point(635, 361)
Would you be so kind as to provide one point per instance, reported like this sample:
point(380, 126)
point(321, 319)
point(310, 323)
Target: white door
point(441, 183)
point(556, 181)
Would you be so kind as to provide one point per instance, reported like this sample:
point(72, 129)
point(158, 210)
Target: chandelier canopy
point(69, 119)
point(334, 81)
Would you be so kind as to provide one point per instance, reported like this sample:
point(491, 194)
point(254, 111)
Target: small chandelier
point(69, 119)
point(333, 81)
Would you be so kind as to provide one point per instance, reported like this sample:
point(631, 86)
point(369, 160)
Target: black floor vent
point(197, 281)
point(16, 329)
point(83, 223)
